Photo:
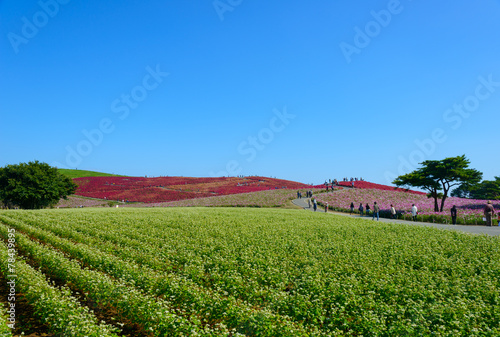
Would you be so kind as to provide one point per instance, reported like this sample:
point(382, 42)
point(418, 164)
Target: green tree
point(487, 189)
point(464, 191)
point(33, 185)
point(438, 176)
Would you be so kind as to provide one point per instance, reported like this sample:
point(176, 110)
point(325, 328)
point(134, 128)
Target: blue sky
point(300, 91)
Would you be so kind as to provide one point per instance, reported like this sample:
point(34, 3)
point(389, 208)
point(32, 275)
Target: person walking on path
point(453, 212)
point(393, 212)
point(367, 207)
point(376, 211)
point(315, 205)
point(352, 208)
point(414, 212)
point(360, 209)
point(488, 213)
point(326, 208)
point(309, 202)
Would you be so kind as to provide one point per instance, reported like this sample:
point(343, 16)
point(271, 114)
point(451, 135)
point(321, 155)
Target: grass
point(82, 173)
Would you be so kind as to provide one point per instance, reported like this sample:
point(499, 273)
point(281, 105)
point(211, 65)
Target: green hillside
point(82, 173)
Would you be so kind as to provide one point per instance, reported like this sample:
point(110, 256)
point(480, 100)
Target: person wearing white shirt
point(414, 212)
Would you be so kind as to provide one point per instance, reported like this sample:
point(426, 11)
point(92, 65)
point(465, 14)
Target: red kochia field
point(162, 189)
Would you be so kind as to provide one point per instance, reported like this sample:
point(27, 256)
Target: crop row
point(190, 298)
point(343, 276)
point(155, 315)
point(5, 330)
point(54, 306)
point(238, 278)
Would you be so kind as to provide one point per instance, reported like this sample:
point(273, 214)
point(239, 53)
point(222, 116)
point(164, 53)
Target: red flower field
point(162, 189)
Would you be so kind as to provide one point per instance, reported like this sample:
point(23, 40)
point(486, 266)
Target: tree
point(464, 191)
point(487, 189)
point(440, 175)
point(33, 185)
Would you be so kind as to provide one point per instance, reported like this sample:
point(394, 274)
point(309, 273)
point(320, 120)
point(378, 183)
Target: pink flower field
point(469, 211)
point(74, 201)
point(268, 198)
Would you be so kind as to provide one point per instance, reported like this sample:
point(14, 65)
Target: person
point(352, 208)
point(453, 212)
point(326, 208)
point(414, 212)
point(367, 208)
point(360, 209)
point(298, 194)
point(315, 205)
point(393, 212)
point(309, 202)
point(488, 213)
point(376, 211)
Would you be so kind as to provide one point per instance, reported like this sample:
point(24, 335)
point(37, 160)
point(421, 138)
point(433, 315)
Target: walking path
point(493, 231)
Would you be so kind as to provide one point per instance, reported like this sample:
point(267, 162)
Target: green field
point(250, 272)
point(82, 173)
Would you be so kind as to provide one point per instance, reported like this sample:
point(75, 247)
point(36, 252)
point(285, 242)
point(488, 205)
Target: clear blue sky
point(300, 91)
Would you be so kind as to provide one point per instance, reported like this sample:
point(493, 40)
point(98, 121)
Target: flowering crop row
point(152, 314)
point(330, 274)
point(54, 306)
point(232, 282)
point(5, 330)
point(469, 211)
point(191, 299)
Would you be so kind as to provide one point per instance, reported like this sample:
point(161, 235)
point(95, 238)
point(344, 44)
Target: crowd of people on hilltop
point(352, 179)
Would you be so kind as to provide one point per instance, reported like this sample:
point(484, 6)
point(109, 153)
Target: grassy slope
point(82, 173)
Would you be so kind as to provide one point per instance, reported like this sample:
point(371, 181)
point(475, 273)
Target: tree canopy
point(487, 189)
point(437, 177)
point(33, 185)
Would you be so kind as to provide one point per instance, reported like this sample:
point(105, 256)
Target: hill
point(162, 189)
point(373, 186)
point(82, 173)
